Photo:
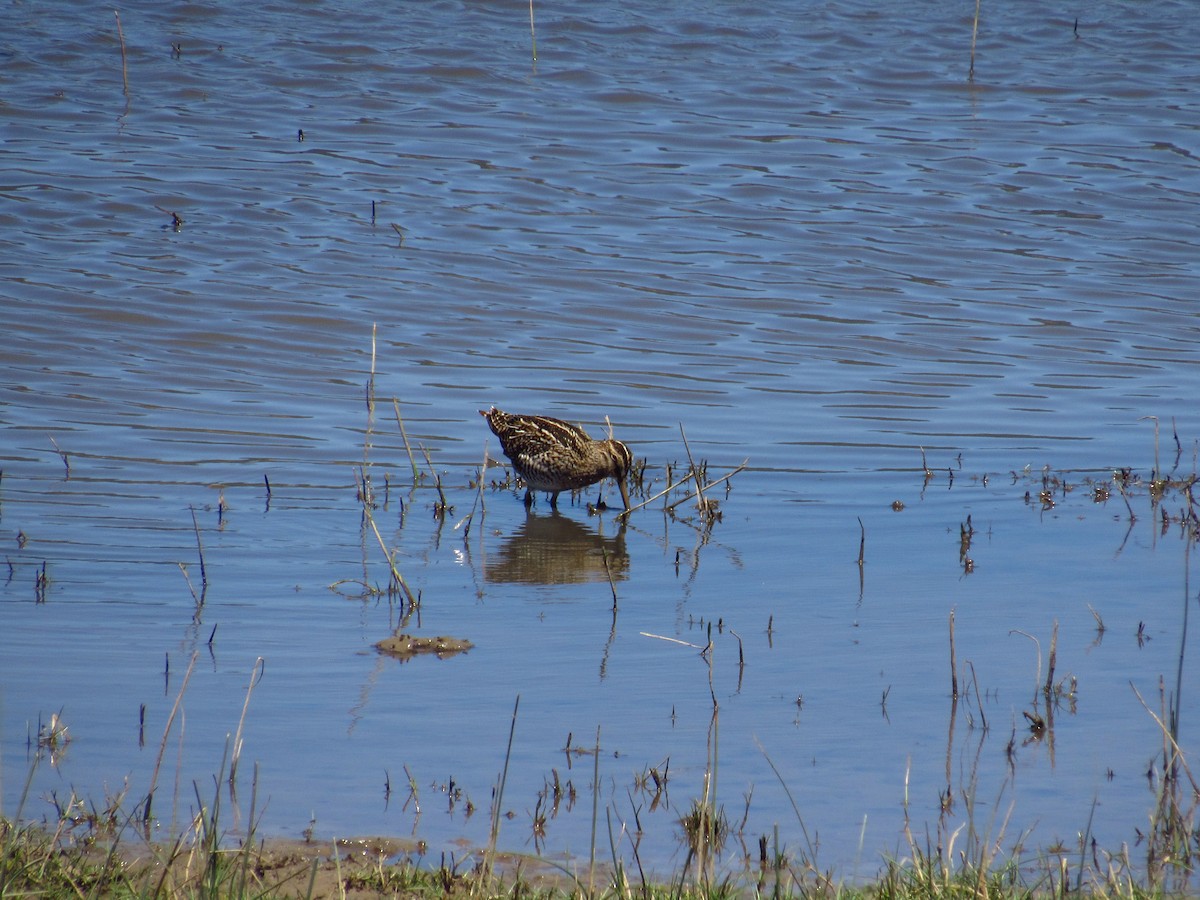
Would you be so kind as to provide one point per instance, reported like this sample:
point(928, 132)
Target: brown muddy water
point(797, 232)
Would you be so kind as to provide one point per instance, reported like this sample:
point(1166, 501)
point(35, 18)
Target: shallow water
point(802, 235)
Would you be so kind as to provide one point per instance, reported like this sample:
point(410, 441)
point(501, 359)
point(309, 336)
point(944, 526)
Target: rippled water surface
point(797, 233)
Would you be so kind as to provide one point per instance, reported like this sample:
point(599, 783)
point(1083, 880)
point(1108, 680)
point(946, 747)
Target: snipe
point(553, 455)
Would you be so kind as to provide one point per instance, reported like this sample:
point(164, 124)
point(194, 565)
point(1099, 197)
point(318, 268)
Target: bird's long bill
point(624, 490)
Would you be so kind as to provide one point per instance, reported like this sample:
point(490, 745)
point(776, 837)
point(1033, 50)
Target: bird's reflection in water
point(556, 549)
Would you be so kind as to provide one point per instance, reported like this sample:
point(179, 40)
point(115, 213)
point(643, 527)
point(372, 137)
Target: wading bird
point(553, 455)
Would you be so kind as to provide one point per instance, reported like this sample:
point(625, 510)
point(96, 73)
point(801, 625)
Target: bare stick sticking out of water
point(532, 35)
point(862, 542)
point(124, 63)
point(608, 572)
point(399, 421)
point(1048, 690)
point(390, 557)
point(974, 34)
point(199, 547)
point(256, 675)
point(162, 747)
point(63, 456)
point(953, 661)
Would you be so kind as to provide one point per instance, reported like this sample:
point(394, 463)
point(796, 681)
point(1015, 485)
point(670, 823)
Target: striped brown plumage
point(553, 455)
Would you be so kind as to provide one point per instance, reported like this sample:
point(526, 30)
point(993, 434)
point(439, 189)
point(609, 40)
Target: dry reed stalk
point(63, 456)
point(707, 487)
point(670, 487)
point(608, 571)
point(256, 675)
point(442, 505)
point(370, 398)
point(162, 747)
point(1049, 688)
point(124, 62)
point(862, 542)
point(954, 663)
point(595, 810)
point(489, 857)
point(397, 577)
point(701, 503)
point(974, 35)
point(671, 640)
point(1157, 469)
point(200, 549)
point(399, 421)
point(532, 35)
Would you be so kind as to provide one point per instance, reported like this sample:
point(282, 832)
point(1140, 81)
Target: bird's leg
point(528, 498)
point(554, 499)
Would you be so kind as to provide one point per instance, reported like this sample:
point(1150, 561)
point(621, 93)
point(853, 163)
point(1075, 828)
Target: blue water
point(802, 235)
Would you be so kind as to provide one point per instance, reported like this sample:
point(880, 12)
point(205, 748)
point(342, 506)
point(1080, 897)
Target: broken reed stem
point(162, 747)
point(1049, 688)
point(199, 599)
point(256, 674)
point(595, 811)
point(200, 548)
point(490, 856)
point(1157, 469)
point(437, 481)
point(479, 501)
point(700, 502)
point(608, 571)
point(709, 485)
point(399, 421)
point(974, 35)
point(532, 35)
point(370, 406)
point(953, 661)
point(862, 542)
point(124, 62)
point(978, 698)
point(1176, 750)
point(1038, 644)
point(399, 579)
point(63, 456)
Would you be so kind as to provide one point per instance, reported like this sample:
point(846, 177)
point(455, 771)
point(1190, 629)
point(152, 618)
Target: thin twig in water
point(953, 663)
point(408, 449)
point(671, 640)
point(974, 35)
point(532, 35)
point(61, 455)
point(396, 576)
point(256, 674)
point(490, 856)
point(442, 505)
point(199, 548)
point(162, 747)
point(608, 572)
point(707, 487)
point(124, 64)
point(701, 503)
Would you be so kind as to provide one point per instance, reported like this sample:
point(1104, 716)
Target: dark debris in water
point(406, 646)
